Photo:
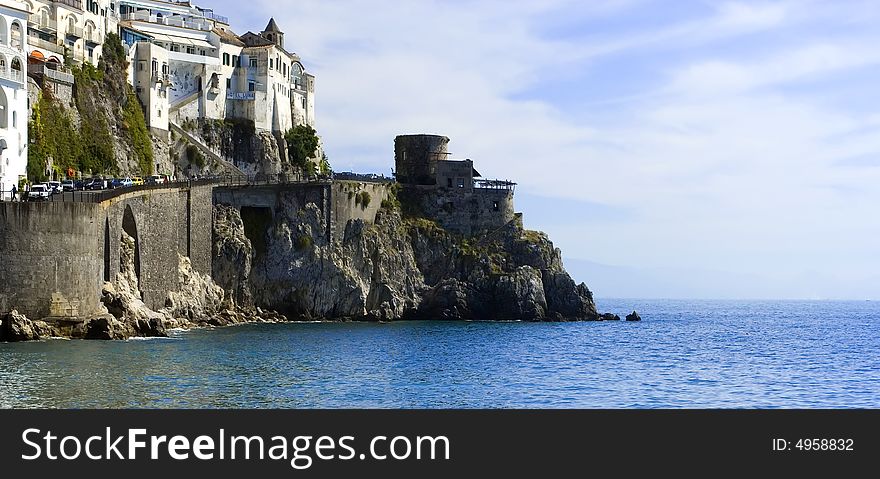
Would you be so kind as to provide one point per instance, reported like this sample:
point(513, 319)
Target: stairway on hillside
point(208, 151)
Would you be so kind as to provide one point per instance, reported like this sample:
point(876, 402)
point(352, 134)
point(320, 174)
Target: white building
point(74, 27)
point(13, 95)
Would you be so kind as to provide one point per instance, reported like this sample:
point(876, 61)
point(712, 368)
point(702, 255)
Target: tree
point(302, 141)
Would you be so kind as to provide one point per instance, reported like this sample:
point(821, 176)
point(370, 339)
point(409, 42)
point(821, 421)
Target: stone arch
point(129, 226)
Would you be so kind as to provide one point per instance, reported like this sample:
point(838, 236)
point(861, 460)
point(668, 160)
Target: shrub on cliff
point(302, 142)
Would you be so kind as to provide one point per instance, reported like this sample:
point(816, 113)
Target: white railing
point(40, 23)
point(46, 45)
point(195, 24)
point(13, 75)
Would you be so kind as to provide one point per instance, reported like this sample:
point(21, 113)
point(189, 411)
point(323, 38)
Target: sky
point(687, 149)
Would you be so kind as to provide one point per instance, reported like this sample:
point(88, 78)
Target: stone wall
point(466, 212)
point(55, 256)
point(416, 156)
point(167, 222)
point(51, 256)
point(348, 203)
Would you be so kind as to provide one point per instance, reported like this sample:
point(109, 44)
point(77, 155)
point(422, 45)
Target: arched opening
point(16, 69)
point(15, 35)
point(71, 24)
point(4, 110)
point(107, 249)
point(44, 17)
point(4, 31)
point(89, 30)
point(2, 64)
point(129, 226)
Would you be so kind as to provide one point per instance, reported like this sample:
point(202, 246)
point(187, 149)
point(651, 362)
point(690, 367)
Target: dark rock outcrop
point(634, 316)
point(17, 327)
point(609, 317)
point(396, 268)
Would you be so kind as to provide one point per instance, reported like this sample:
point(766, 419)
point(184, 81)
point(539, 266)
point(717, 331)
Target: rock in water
point(15, 326)
point(609, 317)
point(634, 316)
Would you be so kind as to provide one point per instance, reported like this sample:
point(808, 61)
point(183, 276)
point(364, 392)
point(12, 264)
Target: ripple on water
point(684, 354)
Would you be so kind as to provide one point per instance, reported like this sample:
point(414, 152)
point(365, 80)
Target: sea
point(683, 354)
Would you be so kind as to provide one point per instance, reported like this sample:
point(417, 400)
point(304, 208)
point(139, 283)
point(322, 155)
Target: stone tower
point(416, 157)
point(273, 33)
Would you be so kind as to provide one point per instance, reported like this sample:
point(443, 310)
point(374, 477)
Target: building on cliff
point(13, 96)
point(187, 64)
point(185, 61)
point(450, 191)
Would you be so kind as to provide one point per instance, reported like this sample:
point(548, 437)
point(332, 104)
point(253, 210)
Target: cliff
point(396, 268)
point(95, 126)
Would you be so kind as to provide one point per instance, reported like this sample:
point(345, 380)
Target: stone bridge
point(56, 255)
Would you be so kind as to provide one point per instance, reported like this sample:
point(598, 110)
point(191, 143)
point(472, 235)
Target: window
point(228, 83)
point(141, 66)
point(252, 86)
point(253, 63)
point(495, 206)
point(191, 50)
point(271, 64)
point(449, 182)
point(235, 61)
point(14, 119)
point(460, 182)
point(226, 59)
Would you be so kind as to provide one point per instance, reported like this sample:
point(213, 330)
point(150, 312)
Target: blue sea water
point(684, 354)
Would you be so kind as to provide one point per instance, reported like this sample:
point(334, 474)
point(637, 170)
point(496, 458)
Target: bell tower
point(273, 33)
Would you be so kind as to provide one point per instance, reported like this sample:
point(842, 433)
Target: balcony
point(163, 78)
point(241, 95)
point(77, 4)
point(43, 24)
point(59, 76)
point(175, 21)
point(94, 37)
point(12, 75)
point(38, 42)
point(74, 32)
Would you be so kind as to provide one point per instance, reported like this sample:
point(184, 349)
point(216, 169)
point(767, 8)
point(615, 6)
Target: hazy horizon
point(735, 141)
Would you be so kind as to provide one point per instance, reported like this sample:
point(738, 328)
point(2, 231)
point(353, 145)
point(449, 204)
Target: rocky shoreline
point(397, 268)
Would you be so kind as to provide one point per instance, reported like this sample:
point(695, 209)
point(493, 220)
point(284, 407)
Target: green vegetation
point(302, 141)
point(304, 242)
point(392, 202)
point(141, 143)
point(195, 156)
point(365, 199)
point(90, 147)
point(324, 167)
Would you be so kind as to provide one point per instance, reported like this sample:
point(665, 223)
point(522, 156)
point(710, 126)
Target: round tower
point(416, 157)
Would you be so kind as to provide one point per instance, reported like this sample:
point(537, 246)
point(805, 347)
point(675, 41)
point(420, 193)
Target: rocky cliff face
point(394, 269)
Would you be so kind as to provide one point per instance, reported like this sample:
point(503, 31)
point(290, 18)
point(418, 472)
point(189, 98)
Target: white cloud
point(726, 165)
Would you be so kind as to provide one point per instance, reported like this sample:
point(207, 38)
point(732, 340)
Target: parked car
point(98, 184)
point(39, 192)
point(67, 185)
point(127, 182)
point(54, 187)
point(137, 181)
point(79, 185)
point(157, 180)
